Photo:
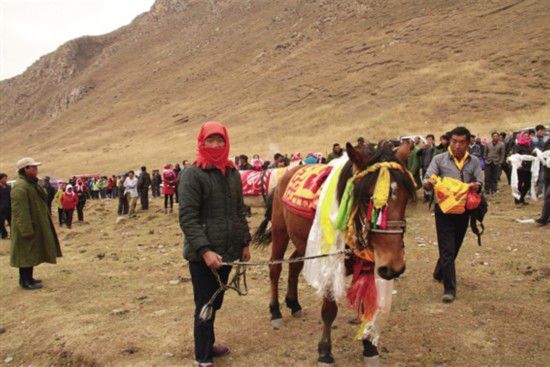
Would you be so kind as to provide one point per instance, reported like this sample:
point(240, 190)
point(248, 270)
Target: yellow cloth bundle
point(450, 194)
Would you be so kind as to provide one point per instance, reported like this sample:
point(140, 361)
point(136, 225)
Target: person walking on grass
point(5, 205)
point(168, 187)
point(495, 153)
point(69, 201)
point(50, 190)
point(144, 182)
point(213, 220)
point(545, 215)
point(34, 240)
point(131, 192)
point(457, 163)
point(122, 199)
point(80, 191)
point(57, 200)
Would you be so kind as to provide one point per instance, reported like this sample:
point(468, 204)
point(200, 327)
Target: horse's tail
point(262, 236)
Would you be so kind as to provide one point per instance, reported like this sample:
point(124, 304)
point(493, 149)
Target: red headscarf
point(207, 157)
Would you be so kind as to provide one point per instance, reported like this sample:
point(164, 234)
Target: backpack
point(477, 215)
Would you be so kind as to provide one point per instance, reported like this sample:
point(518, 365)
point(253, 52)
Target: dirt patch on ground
point(121, 296)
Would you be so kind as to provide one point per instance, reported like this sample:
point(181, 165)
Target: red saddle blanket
point(253, 183)
point(303, 190)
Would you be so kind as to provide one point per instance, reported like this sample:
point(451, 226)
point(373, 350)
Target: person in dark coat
point(144, 182)
point(50, 190)
point(33, 239)
point(5, 205)
point(177, 171)
point(545, 215)
point(156, 180)
point(213, 220)
point(123, 205)
point(243, 163)
point(80, 190)
point(523, 147)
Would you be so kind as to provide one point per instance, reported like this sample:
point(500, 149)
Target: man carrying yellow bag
point(451, 217)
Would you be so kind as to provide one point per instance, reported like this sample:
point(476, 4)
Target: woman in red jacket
point(69, 201)
point(168, 187)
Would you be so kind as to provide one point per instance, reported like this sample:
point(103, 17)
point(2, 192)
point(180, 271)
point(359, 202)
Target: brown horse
point(388, 247)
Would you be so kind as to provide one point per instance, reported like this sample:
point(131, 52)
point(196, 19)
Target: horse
point(387, 245)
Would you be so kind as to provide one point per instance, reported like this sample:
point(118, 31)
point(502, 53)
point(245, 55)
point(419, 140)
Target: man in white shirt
point(131, 192)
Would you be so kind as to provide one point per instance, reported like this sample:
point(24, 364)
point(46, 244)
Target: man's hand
point(246, 254)
point(475, 186)
point(428, 185)
point(212, 260)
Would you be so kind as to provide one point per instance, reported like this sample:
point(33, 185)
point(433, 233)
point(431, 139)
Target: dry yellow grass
point(498, 319)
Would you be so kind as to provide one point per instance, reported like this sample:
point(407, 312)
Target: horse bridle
point(392, 227)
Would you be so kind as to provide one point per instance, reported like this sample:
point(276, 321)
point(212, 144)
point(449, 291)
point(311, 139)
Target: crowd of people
point(72, 194)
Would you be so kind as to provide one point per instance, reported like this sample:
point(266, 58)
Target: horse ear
point(403, 152)
point(355, 156)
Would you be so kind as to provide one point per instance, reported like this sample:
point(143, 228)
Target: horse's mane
point(383, 152)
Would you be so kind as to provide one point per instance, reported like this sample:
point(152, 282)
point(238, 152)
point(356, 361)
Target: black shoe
point(31, 286)
point(36, 281)
point(448, 298)
point(540, 222)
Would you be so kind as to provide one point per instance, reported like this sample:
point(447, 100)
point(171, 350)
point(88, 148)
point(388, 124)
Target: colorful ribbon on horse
point(377, 213)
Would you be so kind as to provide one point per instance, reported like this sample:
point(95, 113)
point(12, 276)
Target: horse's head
point(387, 241)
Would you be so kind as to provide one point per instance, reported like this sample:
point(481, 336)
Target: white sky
point(32, 28)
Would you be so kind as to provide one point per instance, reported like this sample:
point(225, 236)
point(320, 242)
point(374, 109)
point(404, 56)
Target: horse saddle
point(302, 193)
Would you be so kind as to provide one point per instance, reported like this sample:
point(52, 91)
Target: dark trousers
point(524, 183)
point(492, 173)
point(80, 210)
point(166, 197)
point(123, 206)
point(204, 286)
point(68, 213)
point(5, 216)
point(508, 171)
point(25, 275)
point(545, 215)
point(61, 216)
point(451, 229)
point(144, 198)
point(155, 190)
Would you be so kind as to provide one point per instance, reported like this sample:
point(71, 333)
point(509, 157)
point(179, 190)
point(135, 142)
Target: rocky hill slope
point(284, 75)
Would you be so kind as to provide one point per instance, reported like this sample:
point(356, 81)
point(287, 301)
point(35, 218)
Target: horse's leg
point(291, 298)
point(328, 313)
point(370, 354)
point(280, 243)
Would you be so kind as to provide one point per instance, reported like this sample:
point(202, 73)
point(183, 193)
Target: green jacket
point(413, 162)
point(212, 213)
point(33, 239)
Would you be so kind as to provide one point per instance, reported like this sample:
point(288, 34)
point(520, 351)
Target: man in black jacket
point(50, 190)
point(144, 182)
point(5, 205)
point(212, 218)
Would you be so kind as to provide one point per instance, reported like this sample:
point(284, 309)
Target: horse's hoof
point(373, 361)
point(325, 361)
point(277, 323)
point(297, 314)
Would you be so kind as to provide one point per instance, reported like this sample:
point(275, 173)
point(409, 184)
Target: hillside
point(283, 75)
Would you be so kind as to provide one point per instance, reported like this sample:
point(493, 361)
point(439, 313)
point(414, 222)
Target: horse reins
point(239, 284)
